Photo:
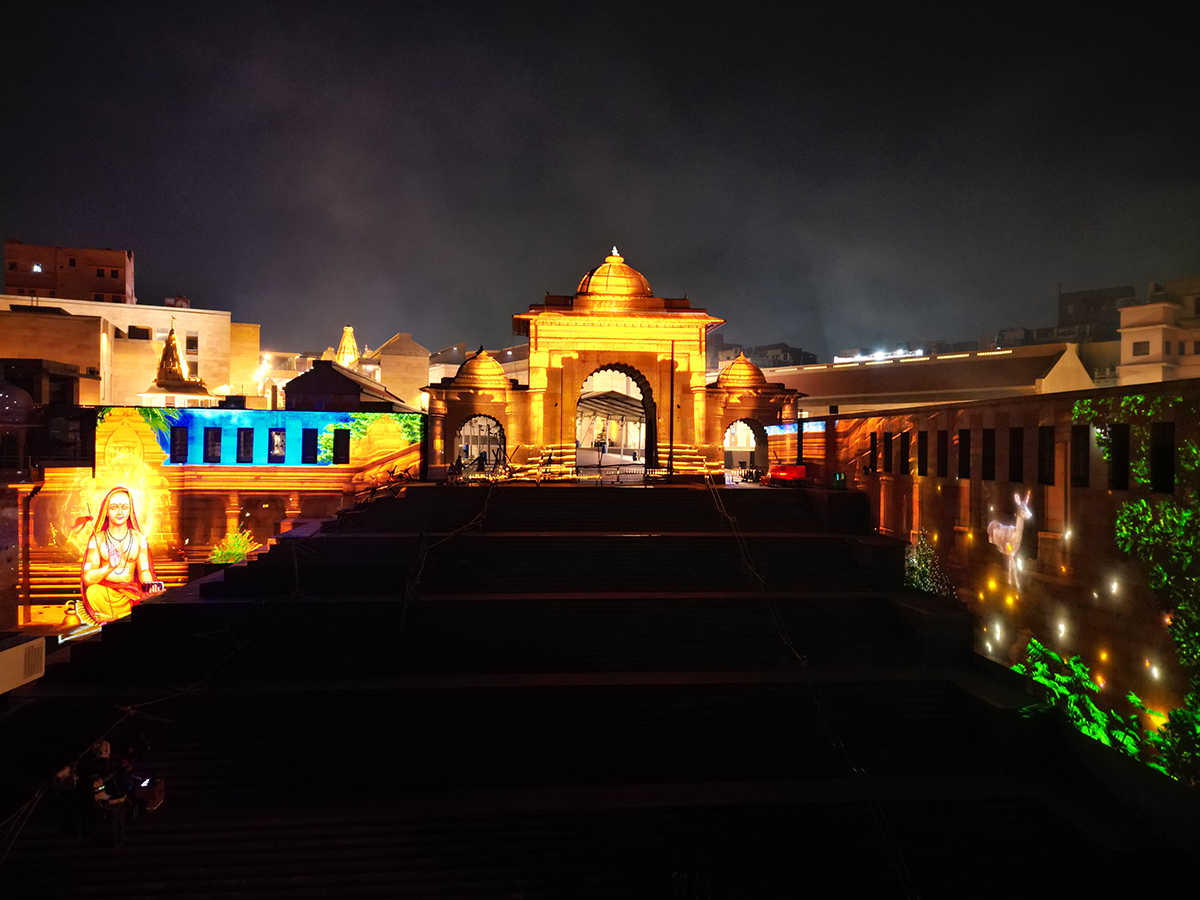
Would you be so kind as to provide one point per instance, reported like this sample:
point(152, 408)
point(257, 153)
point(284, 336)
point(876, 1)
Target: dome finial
point(614, 279)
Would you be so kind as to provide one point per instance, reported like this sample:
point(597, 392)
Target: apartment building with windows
point(75, 273)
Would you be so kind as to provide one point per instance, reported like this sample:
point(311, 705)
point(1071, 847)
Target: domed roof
point(614, 278)
point(741, 373)
point(481, 371)
point(16, 406)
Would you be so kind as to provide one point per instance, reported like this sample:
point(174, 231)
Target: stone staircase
point(586, 693)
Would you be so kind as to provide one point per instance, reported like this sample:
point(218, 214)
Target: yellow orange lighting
point(1009, 599)
point(991, 584)
point(1103, 656)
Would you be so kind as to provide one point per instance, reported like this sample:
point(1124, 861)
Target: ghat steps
point(560, 709)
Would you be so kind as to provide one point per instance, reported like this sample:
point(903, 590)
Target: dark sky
point(822, 175)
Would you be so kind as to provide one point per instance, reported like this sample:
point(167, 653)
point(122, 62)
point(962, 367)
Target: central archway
point(616, 420)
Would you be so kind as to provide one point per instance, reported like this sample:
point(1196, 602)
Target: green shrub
point(233, 548)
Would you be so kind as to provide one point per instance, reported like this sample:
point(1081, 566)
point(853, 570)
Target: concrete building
point(120, 344)
point(721, 352)
point(1160, 334)
point(76, 273)
point(403, 367)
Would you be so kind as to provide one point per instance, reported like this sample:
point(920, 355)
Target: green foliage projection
point(1067, 685)
point(1164, 533)
point(923, 572)
point(160, 421)
point(233, 548)
point(410, 427)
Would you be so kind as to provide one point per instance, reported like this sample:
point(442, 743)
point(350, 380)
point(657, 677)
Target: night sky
point(829, 178)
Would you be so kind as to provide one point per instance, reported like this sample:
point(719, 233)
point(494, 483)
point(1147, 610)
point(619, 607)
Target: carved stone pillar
point(233, 512)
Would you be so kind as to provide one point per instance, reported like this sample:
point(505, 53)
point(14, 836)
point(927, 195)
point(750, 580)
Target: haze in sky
point(827, 176)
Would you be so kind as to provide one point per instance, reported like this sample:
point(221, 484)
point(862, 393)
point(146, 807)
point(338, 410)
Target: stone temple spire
point(347, 351)
point(173, 375)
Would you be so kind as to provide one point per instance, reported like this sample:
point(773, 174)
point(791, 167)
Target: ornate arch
point(762, 457)
point(648, 405)
point(461, 422)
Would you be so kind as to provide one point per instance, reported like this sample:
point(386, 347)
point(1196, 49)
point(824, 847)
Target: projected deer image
point(1008, 537)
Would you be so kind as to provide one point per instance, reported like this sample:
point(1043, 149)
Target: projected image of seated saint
point(117, 572)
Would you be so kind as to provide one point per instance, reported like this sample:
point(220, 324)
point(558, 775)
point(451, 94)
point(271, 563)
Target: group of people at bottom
point(99, 793)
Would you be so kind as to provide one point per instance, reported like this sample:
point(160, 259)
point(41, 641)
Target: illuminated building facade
point(612, 324)
point(1090, 487)
point(195, 476)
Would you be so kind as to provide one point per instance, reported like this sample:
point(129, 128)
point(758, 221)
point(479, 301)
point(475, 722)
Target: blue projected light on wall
point(794, 427)
point(260, 423)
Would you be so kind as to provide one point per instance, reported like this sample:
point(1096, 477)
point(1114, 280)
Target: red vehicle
point(786, 476)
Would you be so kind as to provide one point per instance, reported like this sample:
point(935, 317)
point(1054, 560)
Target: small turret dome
point(741, 373)
point(614, 279)
point(481, 371)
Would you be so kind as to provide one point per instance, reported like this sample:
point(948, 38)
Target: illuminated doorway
point(745, 450)
point(615, 423)
point(479, 444)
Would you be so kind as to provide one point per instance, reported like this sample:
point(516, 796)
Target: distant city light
point(37, 267)
point(880, 354)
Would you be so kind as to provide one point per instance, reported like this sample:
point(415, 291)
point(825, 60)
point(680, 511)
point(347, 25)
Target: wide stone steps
point(601, 509)
point(950, 849)
point(263, 746)
point(360, 639)
point(337, 565)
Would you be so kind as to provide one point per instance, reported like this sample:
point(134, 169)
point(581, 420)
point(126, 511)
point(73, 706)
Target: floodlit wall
point(134, 366)
point(244, 358)
point(1110, 478)
point(75, 340)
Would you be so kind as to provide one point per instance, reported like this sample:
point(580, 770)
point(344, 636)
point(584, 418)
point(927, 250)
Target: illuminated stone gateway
point(613, 323)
